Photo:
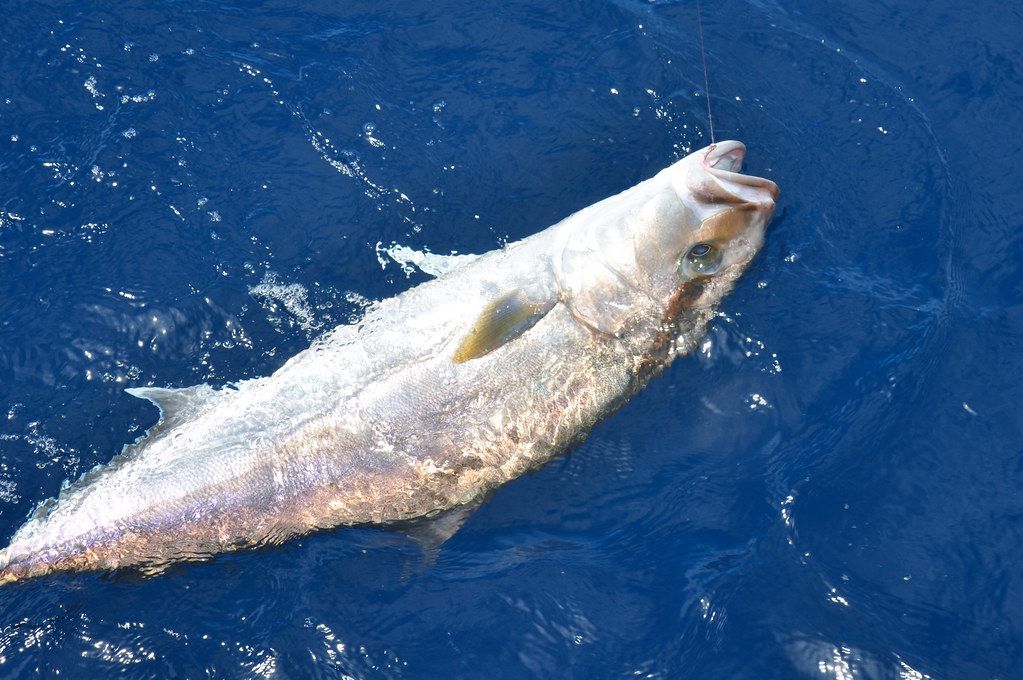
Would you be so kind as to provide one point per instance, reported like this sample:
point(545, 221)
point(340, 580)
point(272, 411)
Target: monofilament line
point(706, 84)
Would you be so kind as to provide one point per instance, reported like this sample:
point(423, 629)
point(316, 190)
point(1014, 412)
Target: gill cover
point(624, 256)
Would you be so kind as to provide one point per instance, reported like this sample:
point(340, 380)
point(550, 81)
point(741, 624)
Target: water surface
point(191, 192)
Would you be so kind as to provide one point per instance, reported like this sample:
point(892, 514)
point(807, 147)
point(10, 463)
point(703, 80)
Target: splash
point(292, 298)
point(410, 259)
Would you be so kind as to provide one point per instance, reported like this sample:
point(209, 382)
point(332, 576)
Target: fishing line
point(706, 84)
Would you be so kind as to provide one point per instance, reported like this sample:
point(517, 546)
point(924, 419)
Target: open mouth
point(726, 156)
point(725, 160)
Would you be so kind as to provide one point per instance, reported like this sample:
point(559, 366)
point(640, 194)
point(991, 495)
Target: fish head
point(672, 245)
point(698, 235)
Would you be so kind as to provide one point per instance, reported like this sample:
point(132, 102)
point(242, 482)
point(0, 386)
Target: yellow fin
point(501, 321)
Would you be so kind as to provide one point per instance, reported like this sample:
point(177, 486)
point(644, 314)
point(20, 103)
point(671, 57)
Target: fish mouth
point(724, 161)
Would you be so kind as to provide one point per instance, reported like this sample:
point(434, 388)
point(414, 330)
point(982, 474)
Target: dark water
point(190, 192)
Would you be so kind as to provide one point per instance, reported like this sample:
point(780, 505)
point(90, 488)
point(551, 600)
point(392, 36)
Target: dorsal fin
point(175, 403)
point(500, 322)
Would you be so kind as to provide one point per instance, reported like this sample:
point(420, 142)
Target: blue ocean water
point(191, 192)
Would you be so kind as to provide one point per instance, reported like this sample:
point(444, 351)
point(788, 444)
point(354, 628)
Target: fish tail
point(13, 567)
point(7, 574)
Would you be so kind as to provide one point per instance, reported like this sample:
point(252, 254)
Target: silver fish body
point(436, 397)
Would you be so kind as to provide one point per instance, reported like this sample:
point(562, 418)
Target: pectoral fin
point(500, 322)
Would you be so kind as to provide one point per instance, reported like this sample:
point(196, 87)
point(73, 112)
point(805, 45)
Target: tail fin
point(6, 573)
point(16, 567)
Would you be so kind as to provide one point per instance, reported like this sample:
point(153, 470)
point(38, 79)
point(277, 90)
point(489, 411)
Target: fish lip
point(724, 160)
point(725, 156)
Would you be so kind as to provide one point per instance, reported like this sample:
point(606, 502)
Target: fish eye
point(703, 259)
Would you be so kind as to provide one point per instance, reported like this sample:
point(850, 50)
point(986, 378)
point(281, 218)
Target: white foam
point(138, 98)
point(410, 259)
point(293, 297)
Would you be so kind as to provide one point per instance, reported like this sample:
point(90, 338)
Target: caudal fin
point(7, 575)
point(17, 567)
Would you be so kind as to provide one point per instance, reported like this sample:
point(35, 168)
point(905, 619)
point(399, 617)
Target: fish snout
point(717, 179)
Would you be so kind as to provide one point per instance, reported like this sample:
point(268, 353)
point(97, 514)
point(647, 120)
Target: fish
point(434, 398)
